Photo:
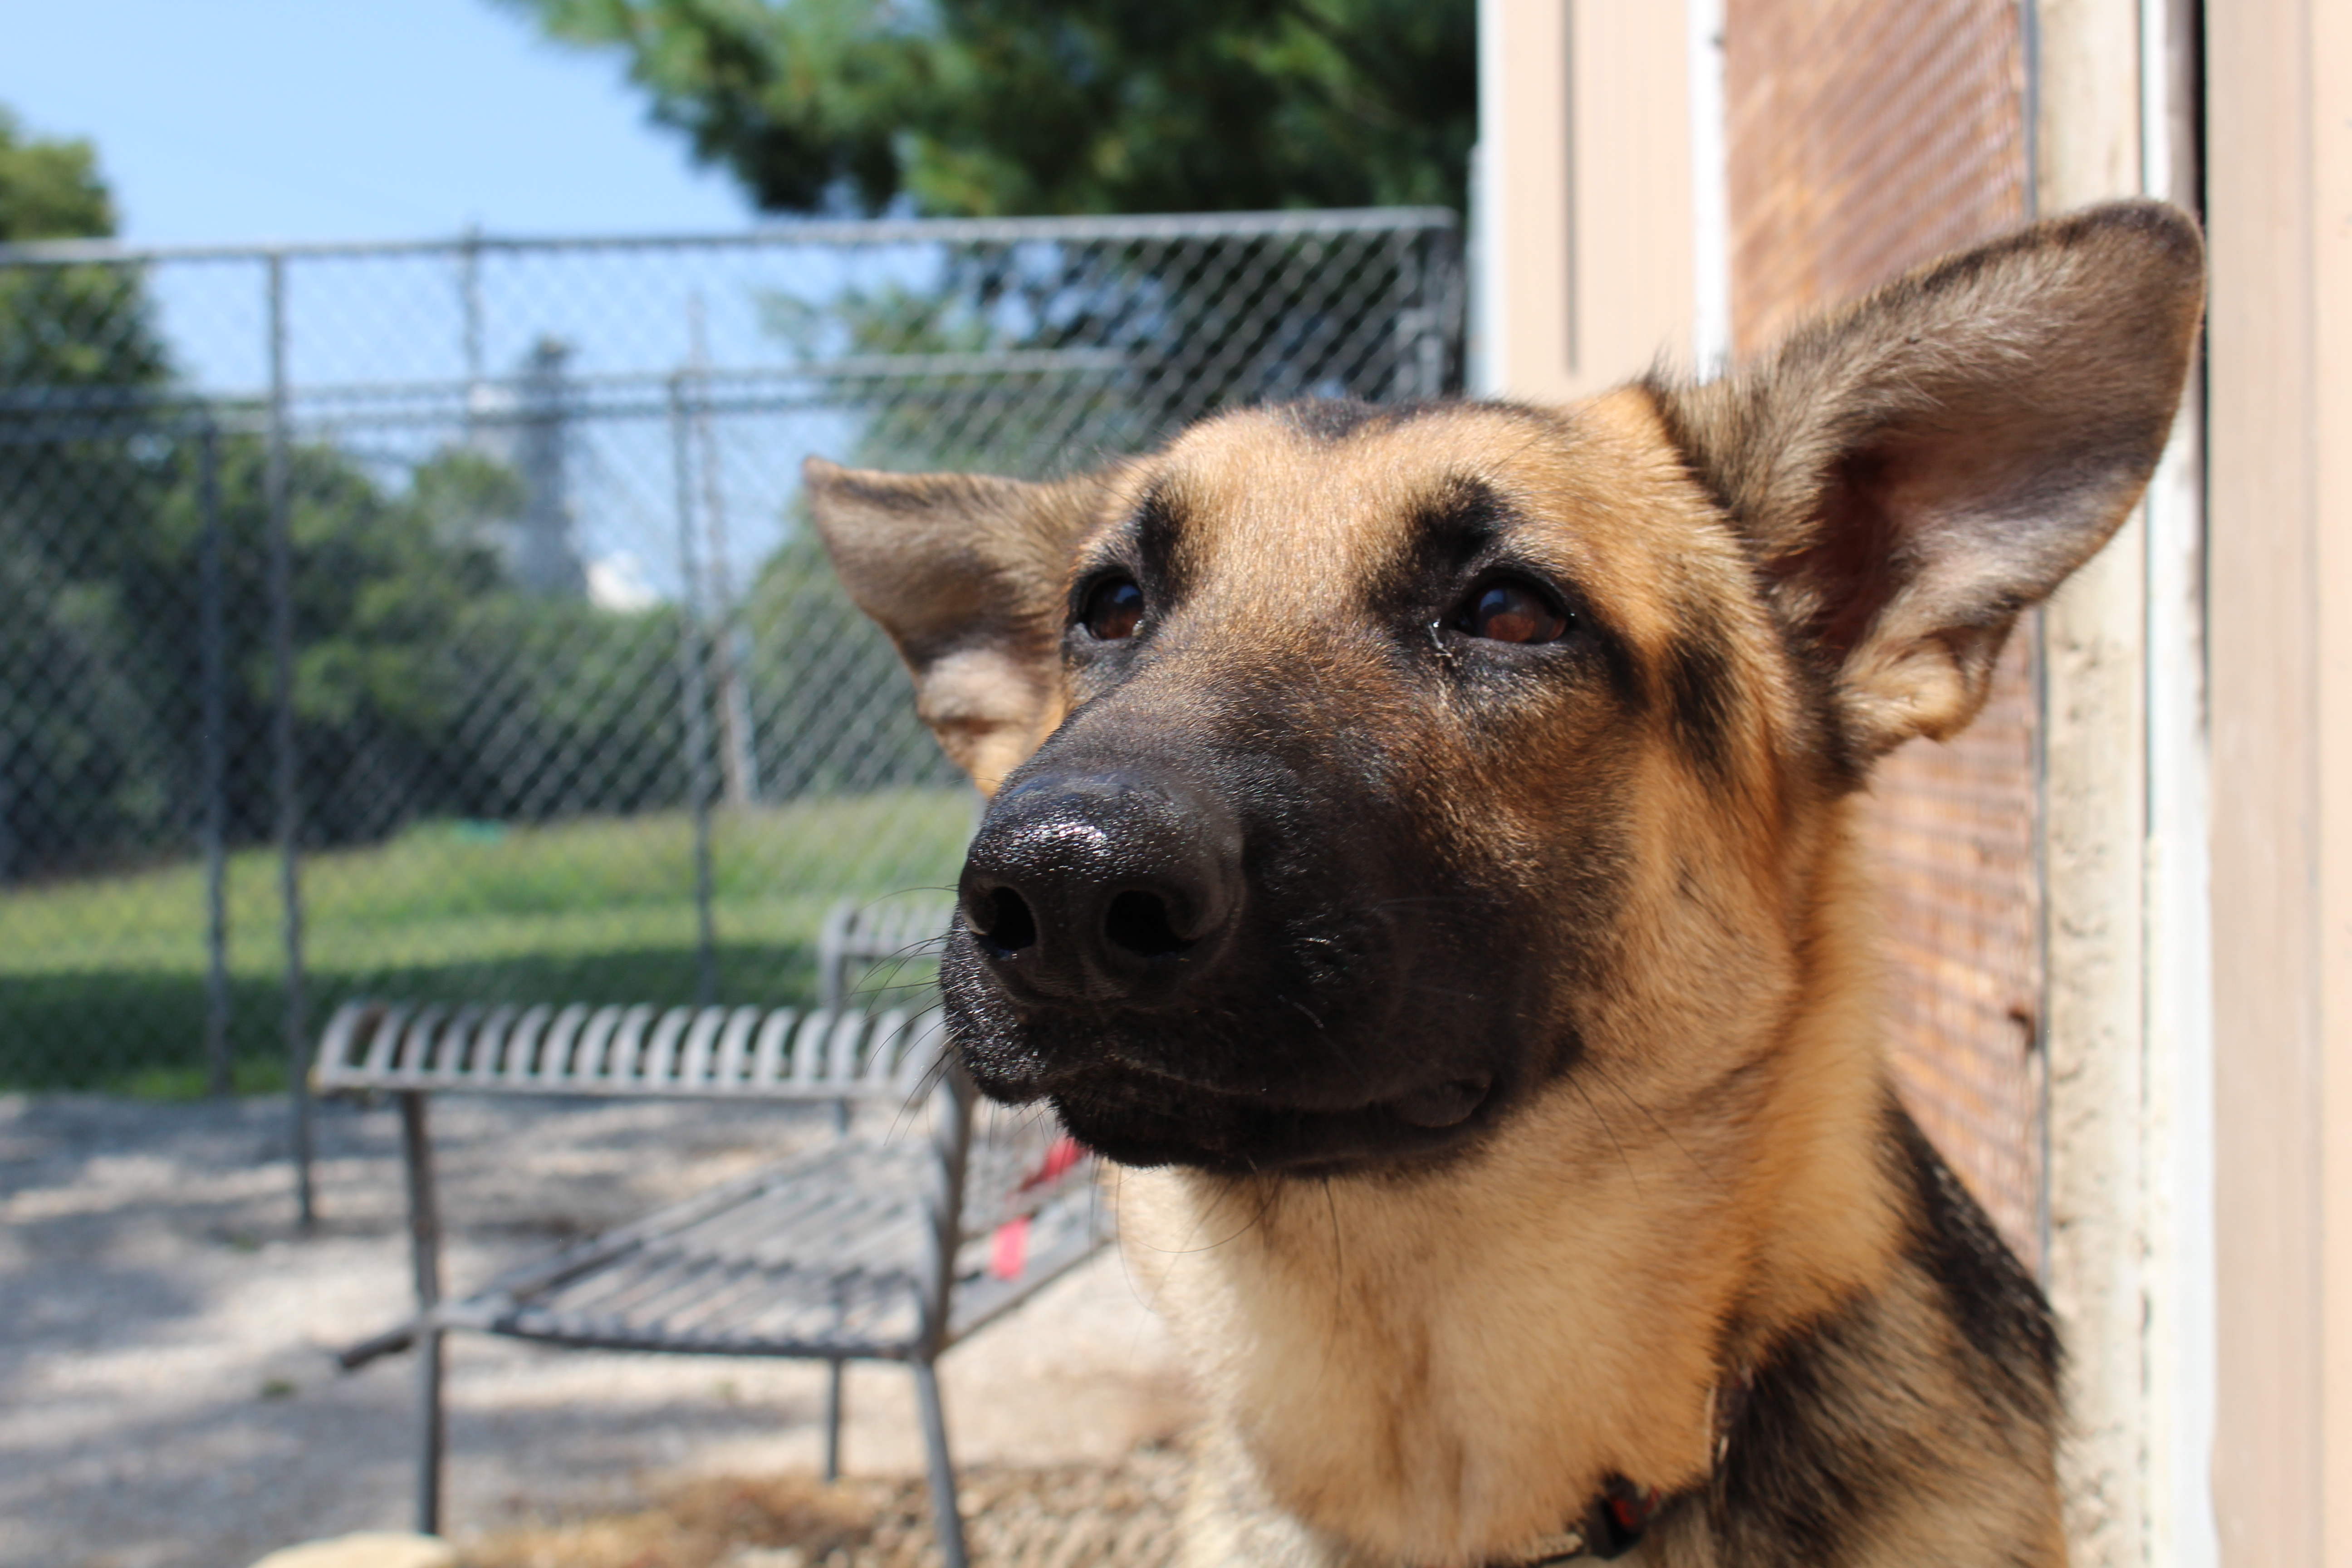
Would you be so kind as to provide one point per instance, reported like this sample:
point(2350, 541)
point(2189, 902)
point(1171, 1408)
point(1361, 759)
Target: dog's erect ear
point(966, 572)
point(1915, 472)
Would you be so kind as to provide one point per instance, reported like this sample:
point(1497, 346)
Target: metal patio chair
point(868, 1248)
point(856, 936)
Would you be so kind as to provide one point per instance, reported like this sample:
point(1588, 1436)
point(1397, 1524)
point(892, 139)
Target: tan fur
point(1632, 1236)
point(1807, 564)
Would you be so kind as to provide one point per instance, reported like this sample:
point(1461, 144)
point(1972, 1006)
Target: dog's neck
point(1446, 1367)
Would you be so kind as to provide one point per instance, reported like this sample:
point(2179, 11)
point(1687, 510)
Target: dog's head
point(1361, 773)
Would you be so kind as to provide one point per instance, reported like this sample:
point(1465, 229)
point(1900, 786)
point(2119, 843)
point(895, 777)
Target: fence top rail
point(1001, 364)
point(818, 231)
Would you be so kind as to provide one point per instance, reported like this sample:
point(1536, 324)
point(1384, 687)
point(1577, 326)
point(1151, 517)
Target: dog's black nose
point(1107, 889)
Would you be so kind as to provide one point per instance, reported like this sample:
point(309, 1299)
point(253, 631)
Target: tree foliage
point(50, 189)
point(997, 107)
point(66, 325)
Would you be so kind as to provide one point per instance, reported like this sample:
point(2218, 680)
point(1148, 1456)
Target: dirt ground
point(166, 1400)
point(1121, 1515)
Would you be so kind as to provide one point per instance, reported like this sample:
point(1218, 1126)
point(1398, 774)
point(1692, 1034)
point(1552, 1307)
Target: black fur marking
point(1996, 1304)
point(1825, 1440)
point(1448, 527)
point(1846, 765)
point(1160, 533)
point(1795, 1485)
point(1452, 525)
point(1703, 695)
point(1335, 419)
point(1456, 528)
point(1151, 544)
point(1816, 673)
point(1332, 419)
point(1617, 659)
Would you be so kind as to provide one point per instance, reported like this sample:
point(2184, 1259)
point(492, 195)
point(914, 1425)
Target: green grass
point(102, 979)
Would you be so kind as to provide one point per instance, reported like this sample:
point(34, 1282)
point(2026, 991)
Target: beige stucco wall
point(2279, 131)
point(1584, 132)
point(2329, 58)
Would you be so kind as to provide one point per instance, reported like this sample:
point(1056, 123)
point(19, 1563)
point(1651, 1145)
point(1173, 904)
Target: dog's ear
point(1915, 472)
point(967, 573)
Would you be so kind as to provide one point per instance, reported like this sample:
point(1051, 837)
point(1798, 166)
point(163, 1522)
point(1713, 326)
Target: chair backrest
point(857, 934)
point(718, 1052)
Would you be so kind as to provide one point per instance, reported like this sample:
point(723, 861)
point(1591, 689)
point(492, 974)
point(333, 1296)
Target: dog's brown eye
point(1510, 612)
point(1113, 609)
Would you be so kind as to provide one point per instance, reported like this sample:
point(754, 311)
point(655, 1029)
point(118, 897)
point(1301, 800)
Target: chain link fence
point(442, 619)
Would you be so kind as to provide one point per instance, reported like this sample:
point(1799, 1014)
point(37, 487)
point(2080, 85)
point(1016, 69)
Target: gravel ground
point(166, 1400)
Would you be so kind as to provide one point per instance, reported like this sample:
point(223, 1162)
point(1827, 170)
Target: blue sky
point(253, 120)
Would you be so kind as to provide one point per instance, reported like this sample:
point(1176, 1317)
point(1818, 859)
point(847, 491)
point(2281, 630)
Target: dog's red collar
point(1615, 1522)
point(1611, 1527)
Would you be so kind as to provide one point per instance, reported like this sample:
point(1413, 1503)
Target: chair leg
point(428, 1464)
point(833, 1371)
point(425, 1257)
point(945, 1516)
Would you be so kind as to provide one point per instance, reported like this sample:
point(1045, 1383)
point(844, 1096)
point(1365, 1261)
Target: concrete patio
point(166, 1400)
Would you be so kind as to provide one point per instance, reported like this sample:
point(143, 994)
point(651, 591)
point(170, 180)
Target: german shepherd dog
point(1422, 850)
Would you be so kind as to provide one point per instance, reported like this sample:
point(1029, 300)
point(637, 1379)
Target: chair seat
point(820, 1257)
point(817, 1256)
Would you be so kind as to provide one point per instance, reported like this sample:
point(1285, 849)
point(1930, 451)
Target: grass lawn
point(102, 979)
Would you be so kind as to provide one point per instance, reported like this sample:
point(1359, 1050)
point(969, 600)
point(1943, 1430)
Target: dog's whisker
point(1609, 1079)
point(1338, 1282)
point(1608, 1131)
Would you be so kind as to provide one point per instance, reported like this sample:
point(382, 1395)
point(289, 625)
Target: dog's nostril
point(1138, 922)
point(1005, 922)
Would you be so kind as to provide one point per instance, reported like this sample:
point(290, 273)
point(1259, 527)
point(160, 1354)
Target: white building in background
point(527, 424)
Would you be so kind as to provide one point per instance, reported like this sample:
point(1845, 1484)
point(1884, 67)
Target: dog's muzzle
point(1103, 889)
point(1190, 975)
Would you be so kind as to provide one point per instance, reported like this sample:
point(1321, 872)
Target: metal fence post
point(1411, 381)
point(219, 1069)
point(470, 305)
point(692, 652)
point(278, 486)
point(739, 766)
point(1444, 303)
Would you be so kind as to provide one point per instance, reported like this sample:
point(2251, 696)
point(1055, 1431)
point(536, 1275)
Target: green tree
point(81, 749)
point(65, 326)
point(995, 106)
point(50, 189)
